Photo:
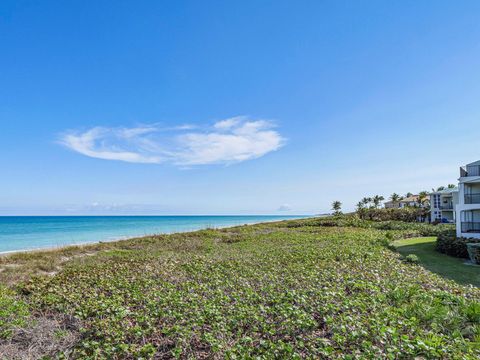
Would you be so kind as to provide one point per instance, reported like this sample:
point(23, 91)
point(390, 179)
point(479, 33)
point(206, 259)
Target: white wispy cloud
point(227, 141)
point(99, 142)
point(228, 123)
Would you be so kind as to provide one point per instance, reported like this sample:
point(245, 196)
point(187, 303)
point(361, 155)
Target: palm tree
point(361, 209)
point(366, 201)
point(395, 197)
point(451, 186)
point(337, 207)
point(377, 199)
point(408, 194)
point(440, 188)
point(422, 197)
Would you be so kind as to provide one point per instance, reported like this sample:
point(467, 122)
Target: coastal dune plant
point(13, 312)
point(313, 288)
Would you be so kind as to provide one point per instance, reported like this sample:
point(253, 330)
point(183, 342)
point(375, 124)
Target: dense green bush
point(448, 243)
point(409, 214)
point(411, 258)
point(413, 229)
point(474, 252)
point(407, 229)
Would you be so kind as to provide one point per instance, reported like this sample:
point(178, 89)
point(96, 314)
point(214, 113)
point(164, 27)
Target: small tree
point(451, 186)
point(337, 207)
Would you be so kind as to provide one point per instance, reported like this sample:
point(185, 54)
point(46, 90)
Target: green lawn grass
point(444, 265)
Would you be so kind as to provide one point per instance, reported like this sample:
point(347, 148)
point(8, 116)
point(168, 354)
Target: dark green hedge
point(448, 243)
point(408, 214)
point(408, 229)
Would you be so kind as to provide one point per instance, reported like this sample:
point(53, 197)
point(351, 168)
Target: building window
point(436, 201)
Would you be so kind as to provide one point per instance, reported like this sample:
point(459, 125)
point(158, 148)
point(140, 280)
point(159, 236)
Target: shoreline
point(126, 238)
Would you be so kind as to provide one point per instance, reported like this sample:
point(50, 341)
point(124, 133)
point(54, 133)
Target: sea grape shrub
point(289, 292)
point(13, 312)
point(411, 258)
point(327, 221)
point(413, 229)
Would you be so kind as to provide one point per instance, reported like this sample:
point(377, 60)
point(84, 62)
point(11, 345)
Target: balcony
point(446, 206)
point(470, 227)
point(473, 170)
point(472, 198)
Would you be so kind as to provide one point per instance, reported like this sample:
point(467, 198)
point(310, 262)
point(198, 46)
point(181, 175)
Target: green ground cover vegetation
point(314, 288)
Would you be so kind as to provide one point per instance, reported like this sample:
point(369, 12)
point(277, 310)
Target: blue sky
point(232, 107)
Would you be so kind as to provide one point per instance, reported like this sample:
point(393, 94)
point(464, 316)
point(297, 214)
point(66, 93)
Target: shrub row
point(409, 229)
point(408, 214)
point(448, 243)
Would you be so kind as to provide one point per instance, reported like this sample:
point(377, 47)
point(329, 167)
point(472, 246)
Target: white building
point(443, 204)
point(468, 208)
point(410, 201)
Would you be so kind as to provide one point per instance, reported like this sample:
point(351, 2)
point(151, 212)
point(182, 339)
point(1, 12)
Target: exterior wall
point(455, 198)
point(447, 206)
point(446, 200)
point(404, 204)
point(391, 205)
point(459, 209)
point(467, 212)
point(472, 188)
point(472, 192)
point(473, 169)
point(435, 212)
point(443, 204)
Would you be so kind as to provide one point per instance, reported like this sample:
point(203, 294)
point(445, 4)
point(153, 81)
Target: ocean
point(19, 233)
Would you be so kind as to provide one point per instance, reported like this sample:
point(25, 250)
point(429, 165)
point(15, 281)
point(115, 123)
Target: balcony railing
point(472, 198)
point(470, 227)
point(446, 207)
point(473, 170)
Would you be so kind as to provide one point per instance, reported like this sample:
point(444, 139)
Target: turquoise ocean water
point(36, 232)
